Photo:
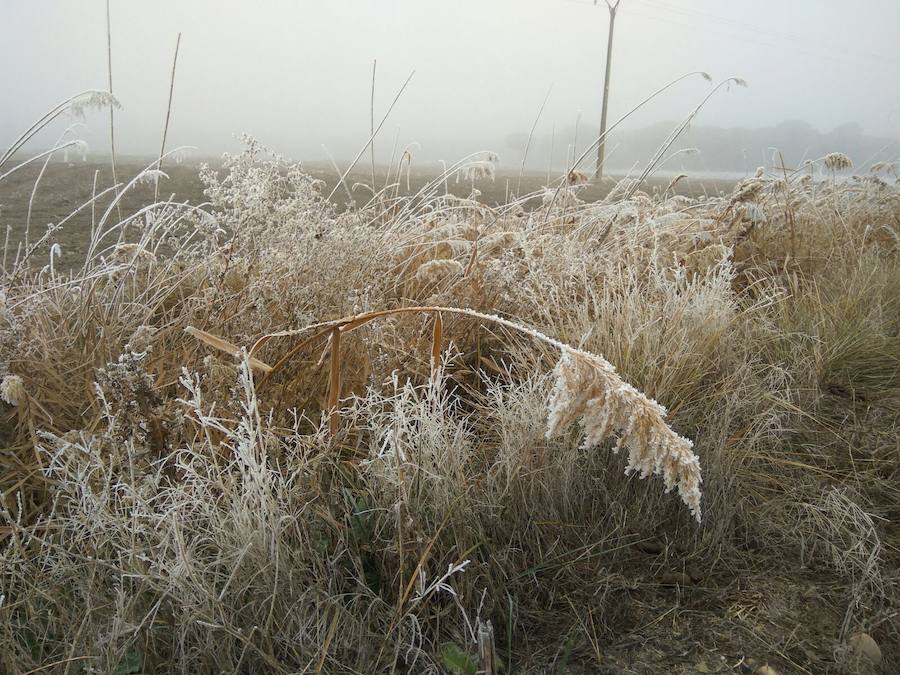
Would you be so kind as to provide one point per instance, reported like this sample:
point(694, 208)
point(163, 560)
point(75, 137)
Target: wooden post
point(486, 651)
point(601, 149)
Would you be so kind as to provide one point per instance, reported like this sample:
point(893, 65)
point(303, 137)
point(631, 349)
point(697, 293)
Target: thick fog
point(297, 74)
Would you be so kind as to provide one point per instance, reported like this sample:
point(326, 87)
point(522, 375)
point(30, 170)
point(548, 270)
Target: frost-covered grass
point(357, 497)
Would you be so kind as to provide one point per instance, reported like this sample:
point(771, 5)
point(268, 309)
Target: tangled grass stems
point(587, 387)
point(184, 504)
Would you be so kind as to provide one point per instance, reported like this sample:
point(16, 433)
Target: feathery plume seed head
point(479, 170)
point(588, 389)
point(707, 258)
point(754, 214)
point(449, 248)
point(485, 166)
point(747, 190)
point(435, 271)
point(92, 100)
point(500, 241)
point(576, 177)
point(78, 147)
point(151, 176)
point(837, 161)
point(129, 253)
point(12, 390)
point(180, 155)
point(142, 339)
point(674, 181)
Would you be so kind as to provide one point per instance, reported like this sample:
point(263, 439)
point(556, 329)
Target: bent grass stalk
point(587, 389)
point(609, 130)
point(89, 98)
point(660, 153)
point(528, 142)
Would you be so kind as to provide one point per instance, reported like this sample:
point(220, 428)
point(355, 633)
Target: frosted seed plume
point(837, 161)
point(142, 339)
point(78, 147)
point(479, 171)
point(754, 214)
point(12, 390)
point(435, 271)
point(92, 100)
point(151, 176)
point(588, 389)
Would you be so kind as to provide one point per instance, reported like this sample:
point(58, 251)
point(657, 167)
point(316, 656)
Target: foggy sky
point(296, 74)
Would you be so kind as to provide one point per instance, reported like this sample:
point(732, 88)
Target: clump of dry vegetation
point(262, 435)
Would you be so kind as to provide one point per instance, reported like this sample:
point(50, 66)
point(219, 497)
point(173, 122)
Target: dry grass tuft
point(352, 471)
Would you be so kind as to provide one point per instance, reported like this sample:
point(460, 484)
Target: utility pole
point(601, 149)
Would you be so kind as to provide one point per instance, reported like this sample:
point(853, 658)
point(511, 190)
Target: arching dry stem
point(587, 390)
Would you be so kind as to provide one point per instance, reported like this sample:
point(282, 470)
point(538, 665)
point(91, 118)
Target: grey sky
point(296, 73)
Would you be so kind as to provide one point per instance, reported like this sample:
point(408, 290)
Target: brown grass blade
point(356, 323)
point(488, 362)
point(334, 382)
point(225, 346)
point(437, 336)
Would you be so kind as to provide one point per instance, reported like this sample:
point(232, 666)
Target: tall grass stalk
point(112, 115)
point(162, 147)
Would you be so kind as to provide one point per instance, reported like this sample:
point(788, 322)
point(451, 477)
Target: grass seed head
point(12, 390)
